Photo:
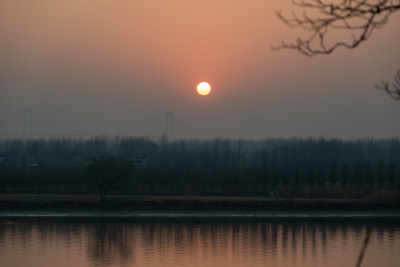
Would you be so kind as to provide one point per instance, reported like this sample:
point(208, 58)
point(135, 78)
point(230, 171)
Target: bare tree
point(107, 173)
point(359, 17)
point(393, 92)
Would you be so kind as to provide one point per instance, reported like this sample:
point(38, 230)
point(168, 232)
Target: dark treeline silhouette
point(285, 167)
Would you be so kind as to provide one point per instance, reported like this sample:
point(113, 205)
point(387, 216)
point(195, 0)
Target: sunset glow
point(199, 133)
point(203, 88)
point(142, 57)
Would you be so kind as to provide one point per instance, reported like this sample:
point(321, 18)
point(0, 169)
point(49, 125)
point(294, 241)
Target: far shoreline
point(187, 215)
point(91, 202)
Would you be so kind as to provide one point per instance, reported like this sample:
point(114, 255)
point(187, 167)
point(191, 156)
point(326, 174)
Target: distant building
point(3, 159)
point(7, 160)
point(77, 160)
point(33, 165)
point(138, 162)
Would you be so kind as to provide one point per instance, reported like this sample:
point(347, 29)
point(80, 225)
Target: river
point(59, 242)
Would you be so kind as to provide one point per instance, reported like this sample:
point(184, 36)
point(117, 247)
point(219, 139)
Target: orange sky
point(114, 67)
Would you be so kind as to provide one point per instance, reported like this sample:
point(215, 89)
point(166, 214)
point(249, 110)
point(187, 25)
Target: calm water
point(122, 243)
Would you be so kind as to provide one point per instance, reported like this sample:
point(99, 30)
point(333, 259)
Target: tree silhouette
point(324, 19)
point(394, 92)
point(107, 172)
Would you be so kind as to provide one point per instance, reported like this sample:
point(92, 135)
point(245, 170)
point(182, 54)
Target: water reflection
point(110, 243)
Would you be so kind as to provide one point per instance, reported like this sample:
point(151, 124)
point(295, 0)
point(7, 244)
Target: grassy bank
point(61, 201)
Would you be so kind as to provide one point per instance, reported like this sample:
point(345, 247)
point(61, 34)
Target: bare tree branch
point(360, 17)
point(364, 247)
point(394, 92)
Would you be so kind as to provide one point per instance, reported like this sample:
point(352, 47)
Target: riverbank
point(200, 215)
point(129, 202)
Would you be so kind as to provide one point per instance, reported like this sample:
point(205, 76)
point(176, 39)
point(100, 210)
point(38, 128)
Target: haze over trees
point(293, 167)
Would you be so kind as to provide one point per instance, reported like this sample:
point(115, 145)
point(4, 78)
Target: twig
point(361, 17)
point(394, 92)
point(364, 247)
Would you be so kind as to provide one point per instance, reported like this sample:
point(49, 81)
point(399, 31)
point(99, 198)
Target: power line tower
point(27, 126)
point(169, 124)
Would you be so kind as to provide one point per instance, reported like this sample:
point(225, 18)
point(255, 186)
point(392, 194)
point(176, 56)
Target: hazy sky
point(115, 67)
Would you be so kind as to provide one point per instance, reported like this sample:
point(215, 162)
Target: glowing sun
point(203, 88)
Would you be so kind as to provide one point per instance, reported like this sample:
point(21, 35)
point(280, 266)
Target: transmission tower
point(169, 124)
point(27, 126)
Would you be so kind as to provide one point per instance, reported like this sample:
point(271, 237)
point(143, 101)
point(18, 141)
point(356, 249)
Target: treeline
point(286, 167)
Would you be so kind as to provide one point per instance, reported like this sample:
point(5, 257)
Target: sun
point(203, 88)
